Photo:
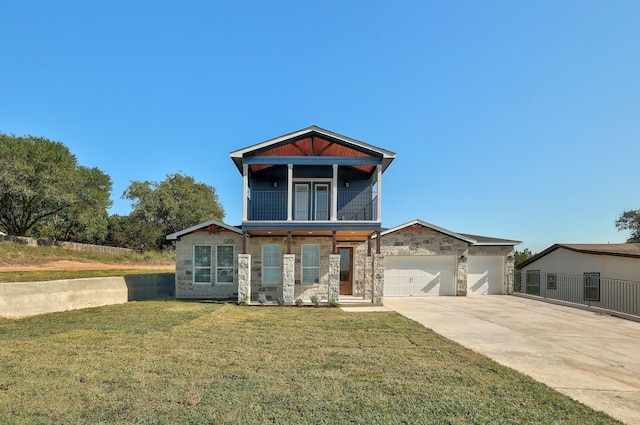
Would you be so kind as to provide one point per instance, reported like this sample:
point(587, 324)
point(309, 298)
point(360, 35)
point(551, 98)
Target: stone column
point(461, 280)
point(244, 278)
point(509, 270)
point(288, 278)
point(378, 278)
point(368, 278)
point(334, 277)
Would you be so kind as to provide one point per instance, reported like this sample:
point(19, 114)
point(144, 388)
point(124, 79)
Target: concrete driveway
point(590, 357)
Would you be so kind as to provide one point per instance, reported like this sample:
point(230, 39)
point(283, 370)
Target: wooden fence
point(66, 245)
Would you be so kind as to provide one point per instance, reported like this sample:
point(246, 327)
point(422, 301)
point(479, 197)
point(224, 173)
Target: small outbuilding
point(600, 275)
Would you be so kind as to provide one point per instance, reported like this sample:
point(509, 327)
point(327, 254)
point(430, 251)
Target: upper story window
point(311, 201)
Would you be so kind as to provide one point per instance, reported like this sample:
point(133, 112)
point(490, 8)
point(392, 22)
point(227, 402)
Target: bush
point(299, 302)
point(315, 300)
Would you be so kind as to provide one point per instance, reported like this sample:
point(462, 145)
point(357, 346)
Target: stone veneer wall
point(273, 292)
point(185, 288)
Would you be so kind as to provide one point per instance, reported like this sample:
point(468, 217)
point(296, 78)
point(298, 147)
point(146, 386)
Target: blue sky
point(513, 119)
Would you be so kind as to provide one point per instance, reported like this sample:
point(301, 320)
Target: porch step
point(351, 301)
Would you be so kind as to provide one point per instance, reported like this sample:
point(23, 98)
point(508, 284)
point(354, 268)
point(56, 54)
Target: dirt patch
point(84, 265)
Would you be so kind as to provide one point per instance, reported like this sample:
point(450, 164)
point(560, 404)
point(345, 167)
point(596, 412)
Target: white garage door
point(419, 275)
point(485, 275)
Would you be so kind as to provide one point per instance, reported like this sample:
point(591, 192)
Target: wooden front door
point(346, 271)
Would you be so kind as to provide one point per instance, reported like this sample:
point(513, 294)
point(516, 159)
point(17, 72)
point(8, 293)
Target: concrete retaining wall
point(20, 299)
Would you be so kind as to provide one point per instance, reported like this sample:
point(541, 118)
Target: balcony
point(352, 205)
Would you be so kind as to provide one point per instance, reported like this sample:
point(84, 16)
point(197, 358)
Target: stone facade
point(378, 278)
point(303, 291)
point(334, 277)
point(368, 270)
point(185, 286)
point(288, 279)
point(244, 278)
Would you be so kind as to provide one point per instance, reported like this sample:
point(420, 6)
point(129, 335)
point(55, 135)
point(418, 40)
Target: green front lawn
point(186, 362)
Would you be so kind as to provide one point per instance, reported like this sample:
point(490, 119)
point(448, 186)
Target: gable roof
point(489, 240)
point(471, 239)
point(614, 249)
point(418, 222)
point(201, 226)
point(313, 141)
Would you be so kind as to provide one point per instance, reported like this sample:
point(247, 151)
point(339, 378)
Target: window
point(533, 282)
point(322, 201)
point(301, 202)
point(224, 264)
point(202, 264)
point(311, 201)
point(310, 264)
point(552, 281)
point(592, 286)
point(271, 264)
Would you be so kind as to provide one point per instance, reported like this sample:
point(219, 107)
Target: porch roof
point(316, 142)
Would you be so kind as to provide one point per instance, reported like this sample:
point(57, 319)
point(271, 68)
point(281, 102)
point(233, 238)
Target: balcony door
point(311, 201)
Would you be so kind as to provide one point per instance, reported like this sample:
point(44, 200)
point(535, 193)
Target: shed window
point(202, 264)
point(591, 286)
point(310, 264)
point(552, 281)
point(271, 263)
point(224, 264)
point(533, 282)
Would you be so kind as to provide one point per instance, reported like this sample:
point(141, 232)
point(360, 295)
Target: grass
point(162, 362)
point(16, 255)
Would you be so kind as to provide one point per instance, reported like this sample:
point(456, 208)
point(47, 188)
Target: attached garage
point(485, 275)
point(419, 275)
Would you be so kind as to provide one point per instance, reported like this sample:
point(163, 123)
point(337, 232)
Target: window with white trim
point(591, 286)
point(224, 264)
point(271, 264)
point(202, 264)
point(552, 281)
point(310, 264)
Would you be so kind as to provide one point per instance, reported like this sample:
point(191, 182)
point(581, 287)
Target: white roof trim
point(432, 226)
point(176, 235)
point(385, 153)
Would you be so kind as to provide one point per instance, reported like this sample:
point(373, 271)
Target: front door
point(346, 271)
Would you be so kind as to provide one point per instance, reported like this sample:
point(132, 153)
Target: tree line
point(46, 194)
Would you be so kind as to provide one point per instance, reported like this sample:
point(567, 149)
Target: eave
point(273, 150)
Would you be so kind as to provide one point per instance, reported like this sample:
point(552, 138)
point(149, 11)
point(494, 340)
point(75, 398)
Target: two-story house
point(312, 225)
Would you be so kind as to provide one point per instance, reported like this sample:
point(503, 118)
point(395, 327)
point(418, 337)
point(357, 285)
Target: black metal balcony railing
point(352, 206)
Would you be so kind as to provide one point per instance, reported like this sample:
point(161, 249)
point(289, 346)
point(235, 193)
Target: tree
point(630, 220)
point(521, 256)
point(42, 184)
point(174, 204)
